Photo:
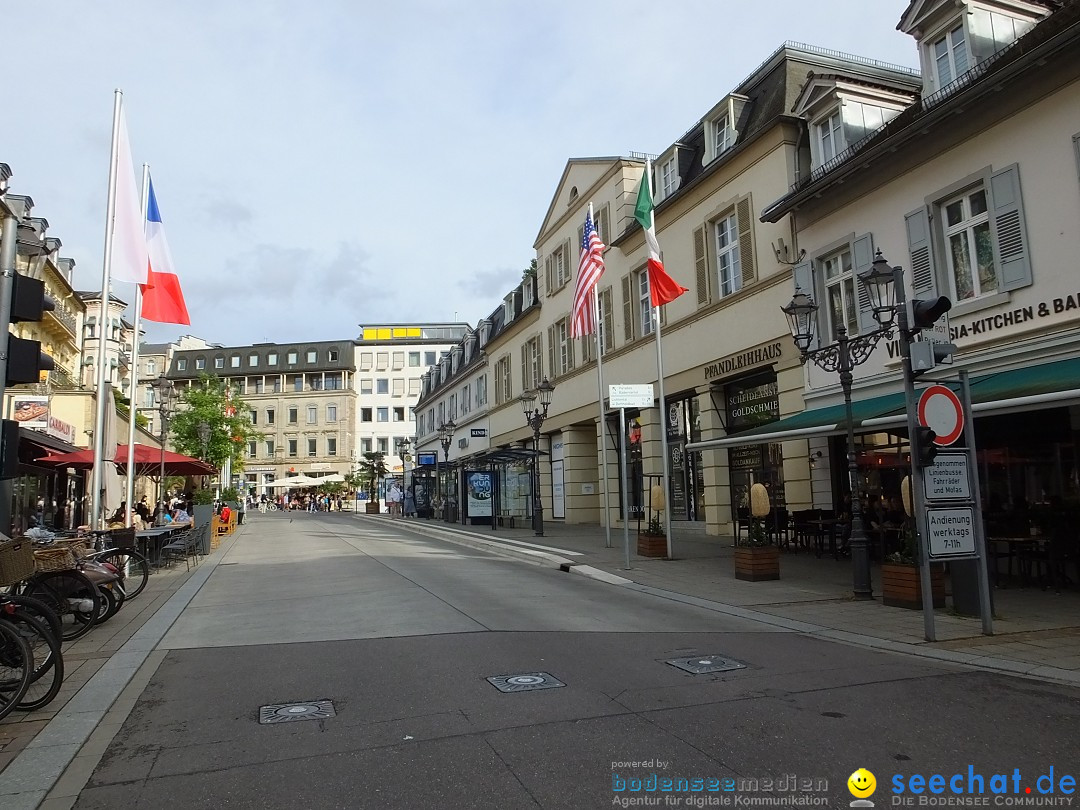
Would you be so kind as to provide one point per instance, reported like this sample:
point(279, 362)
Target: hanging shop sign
point(61, 430)
point(752, 402)
point(31, 411)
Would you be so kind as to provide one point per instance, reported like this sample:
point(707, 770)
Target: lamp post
point(446, 436)
point(403, 451)
point(165, 394)
point(534, 417)
point(881, 283)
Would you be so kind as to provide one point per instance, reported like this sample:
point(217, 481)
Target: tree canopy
point(209, 402)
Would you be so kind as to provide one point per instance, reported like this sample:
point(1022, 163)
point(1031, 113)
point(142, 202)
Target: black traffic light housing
point(9, 448)
point(925, 312)
point(925, 449)
point(29, 302)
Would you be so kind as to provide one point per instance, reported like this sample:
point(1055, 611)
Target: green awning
point(1045, 385)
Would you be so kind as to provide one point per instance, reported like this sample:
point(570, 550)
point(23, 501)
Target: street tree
point(208, 401)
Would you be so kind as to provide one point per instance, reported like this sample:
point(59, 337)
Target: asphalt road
point(400, 633)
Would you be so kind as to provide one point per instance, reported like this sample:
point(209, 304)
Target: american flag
point(590, 268)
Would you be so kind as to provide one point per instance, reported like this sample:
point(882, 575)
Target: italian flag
point(663, 289)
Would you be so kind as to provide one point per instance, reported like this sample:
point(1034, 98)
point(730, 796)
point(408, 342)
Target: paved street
point(401, 632)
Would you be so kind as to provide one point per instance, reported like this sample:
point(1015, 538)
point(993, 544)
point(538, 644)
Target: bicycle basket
point(16, 560)
point(53, 559)
point(77, 546)
point(123, 538)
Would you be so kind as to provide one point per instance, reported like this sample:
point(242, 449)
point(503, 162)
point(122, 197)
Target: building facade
point(300, 396)
point(392, 363)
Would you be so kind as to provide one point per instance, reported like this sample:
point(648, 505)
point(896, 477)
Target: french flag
point(163, 300)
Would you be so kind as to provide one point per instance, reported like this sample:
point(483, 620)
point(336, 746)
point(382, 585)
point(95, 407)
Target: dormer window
point(950, 56)
point(830, 137)
point(956, 35)
point(669, 177)
point(723, 136)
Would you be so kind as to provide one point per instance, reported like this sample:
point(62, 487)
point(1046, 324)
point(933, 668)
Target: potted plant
point(755, 558)
point(373, 469)
point(901, 580)
point(652, 541)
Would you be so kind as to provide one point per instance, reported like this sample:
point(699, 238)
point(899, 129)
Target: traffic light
point(26, 361)
point(925, 449)
point(924, 313)
point(9, 449)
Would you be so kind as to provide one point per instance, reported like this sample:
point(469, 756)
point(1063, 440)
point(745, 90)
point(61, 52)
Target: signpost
point(623, 397)
point(950, 520)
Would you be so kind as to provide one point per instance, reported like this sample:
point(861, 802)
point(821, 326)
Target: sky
point(328, 164)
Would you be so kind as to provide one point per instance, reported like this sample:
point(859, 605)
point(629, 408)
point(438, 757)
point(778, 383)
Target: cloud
point(487, 283)
point(229, 213)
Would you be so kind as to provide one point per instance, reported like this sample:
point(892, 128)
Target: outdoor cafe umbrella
point(147, 461)
point(295, 481)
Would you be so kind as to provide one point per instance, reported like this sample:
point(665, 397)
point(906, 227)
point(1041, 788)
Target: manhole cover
point(704, 664)
point(526, 682)
point(304, 710)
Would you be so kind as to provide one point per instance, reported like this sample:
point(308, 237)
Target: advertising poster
point(31, 411)
point(479, 485)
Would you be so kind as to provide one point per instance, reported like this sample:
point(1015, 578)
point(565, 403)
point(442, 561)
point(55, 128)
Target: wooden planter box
point(371, 508)
point(757, 563)
point(652, 545)
point(901, 585)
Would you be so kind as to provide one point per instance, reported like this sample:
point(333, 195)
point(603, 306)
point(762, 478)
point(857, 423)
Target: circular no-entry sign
point(941, 411)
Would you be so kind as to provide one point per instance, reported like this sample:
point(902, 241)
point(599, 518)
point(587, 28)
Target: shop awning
point(1047, 385)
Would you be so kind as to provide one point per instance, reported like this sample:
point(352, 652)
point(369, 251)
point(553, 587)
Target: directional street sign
point(630, 396)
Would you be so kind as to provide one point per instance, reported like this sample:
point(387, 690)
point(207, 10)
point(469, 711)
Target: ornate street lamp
point(880, 282)
point(534, 418)
point(446, 436)
point(165, 394)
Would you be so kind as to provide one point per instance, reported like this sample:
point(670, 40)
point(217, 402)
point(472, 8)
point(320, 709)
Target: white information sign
point(947, 478)
point(950, 532)
point(630, 396)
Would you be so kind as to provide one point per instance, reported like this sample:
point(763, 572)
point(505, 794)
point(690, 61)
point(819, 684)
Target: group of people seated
point(142, 517)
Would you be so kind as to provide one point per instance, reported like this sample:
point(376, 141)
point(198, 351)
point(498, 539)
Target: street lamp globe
point(546, 389)
point(800, 314)
point(878, 282)
point(528, 400)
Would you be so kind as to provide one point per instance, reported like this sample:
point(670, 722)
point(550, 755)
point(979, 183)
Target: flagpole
point(647, 178)
point(603, 411)
point(97, 476)
point(133, 389)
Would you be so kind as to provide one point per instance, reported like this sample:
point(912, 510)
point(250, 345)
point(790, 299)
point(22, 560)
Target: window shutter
point(586, 348)
point(746, 240)
point(609, 319)
point(862, 257)
point(569, 347)
point(568, 268)
point(553, 369)
point(921, 251)
point(701, 266)
point(525, 367)
point(628, 310)
point(580, 238)
point(803, 276)
point(603, 224)
point(548, 281)
point(1010, 233)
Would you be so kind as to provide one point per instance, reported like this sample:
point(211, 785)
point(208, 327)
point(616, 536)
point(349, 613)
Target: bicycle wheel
point(38, 609)
point(48, 674)
point(72, 595)
point(16, 667)
point(133, 568)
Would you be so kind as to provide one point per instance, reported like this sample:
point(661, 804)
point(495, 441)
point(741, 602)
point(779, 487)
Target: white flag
point(129, 257)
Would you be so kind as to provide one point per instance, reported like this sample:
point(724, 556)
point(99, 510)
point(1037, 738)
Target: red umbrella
point(147, 461)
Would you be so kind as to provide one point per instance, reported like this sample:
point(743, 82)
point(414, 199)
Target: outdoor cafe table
point(154, 538)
